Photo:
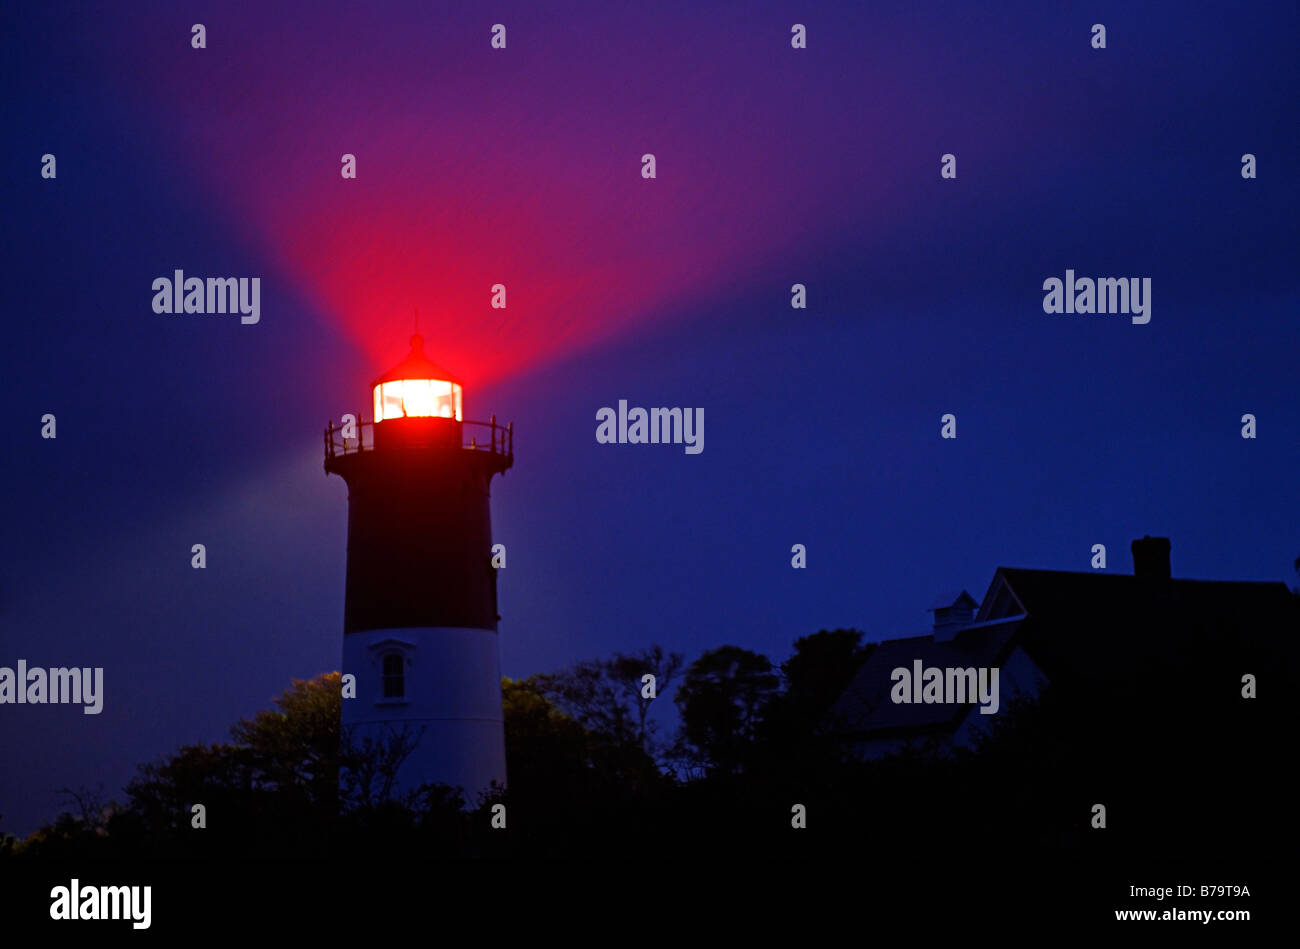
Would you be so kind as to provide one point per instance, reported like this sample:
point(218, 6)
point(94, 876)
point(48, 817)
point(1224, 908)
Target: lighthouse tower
point(420, 615)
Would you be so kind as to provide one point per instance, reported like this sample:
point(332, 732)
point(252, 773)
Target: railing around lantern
point(475, 436)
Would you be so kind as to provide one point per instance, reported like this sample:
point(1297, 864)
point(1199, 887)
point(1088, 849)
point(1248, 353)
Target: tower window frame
point(392, 676)
point(392, 661)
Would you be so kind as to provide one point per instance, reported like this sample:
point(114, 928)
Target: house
point(1102, 633)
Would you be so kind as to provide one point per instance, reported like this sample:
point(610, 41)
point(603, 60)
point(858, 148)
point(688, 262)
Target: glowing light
point(417, 387)
point(426, 398)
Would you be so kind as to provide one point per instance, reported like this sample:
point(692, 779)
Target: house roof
point(1071, 624)
point(1046, 593)
point(866, 707)
point(1087, 624)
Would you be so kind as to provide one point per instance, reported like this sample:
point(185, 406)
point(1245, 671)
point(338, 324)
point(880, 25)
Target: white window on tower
point(394, 671)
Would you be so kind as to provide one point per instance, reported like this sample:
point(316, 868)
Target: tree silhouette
point(722, 700)
point(607, 697)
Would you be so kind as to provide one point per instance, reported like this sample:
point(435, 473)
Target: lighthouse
point(420, 611)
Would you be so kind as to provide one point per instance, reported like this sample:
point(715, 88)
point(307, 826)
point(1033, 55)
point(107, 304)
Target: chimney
point(1151, 558)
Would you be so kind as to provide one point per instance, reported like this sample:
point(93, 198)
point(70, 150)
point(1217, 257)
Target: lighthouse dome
point(417, 387)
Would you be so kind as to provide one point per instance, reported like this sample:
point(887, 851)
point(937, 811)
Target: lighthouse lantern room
point(417, 387)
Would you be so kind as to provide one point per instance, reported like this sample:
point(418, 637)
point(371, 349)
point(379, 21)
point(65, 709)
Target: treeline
point(592, 771)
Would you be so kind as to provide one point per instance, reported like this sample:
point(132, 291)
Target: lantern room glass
point(427, 398)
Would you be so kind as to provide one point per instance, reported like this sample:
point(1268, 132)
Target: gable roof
point(1102, 627)
point(1051, 593)
point(865, 707)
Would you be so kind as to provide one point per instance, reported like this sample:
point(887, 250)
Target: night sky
point(522, 166)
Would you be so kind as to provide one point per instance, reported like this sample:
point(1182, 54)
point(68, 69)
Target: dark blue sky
point(821, 425)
